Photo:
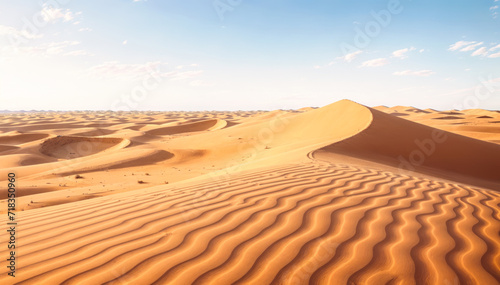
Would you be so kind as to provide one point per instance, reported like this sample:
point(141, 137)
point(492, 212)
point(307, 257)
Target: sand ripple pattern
point(311, 223)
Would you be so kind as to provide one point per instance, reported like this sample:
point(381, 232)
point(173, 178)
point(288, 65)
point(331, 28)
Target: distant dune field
point(343, 194)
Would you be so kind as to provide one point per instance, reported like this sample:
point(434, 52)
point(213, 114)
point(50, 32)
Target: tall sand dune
point(415, 147)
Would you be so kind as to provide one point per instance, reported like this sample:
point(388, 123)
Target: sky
point(198, 55)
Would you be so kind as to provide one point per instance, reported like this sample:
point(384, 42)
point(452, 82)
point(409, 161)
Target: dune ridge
point(416, 147)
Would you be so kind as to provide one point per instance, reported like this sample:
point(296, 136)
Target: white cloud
point(51, 14)
point(375, 62)
point(85, 30)
point(12, 32)
point(495, 47)
point(350, 56)
point(464, 46)
point(471, 47)
point(481, 51)
point(401, 53)
point(493, 10)
point(414, 73)
point(459, 45)
point(48, 49)
point(124, 42)
point(494, 55)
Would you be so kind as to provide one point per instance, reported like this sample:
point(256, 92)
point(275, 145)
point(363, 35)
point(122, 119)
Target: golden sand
point(343, 194)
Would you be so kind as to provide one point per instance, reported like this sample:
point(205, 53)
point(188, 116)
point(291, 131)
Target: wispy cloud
point(350, 56)
point(15, 33)
point(471, 47)
point(476, 48)
point(51, 14)
point(375, 62)
point(495, 47)
point(481, 51)
point(402, 53)
point(494, 55)
point(459, 45)
point(414, 73)
point(493, 10)
point(48, 49)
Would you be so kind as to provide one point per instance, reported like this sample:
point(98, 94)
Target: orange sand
point(343, 194)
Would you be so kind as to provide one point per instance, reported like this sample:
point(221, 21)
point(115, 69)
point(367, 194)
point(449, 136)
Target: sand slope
point(318, 223)
point(68, 147)
point(318, 196)
point(415, 147)
point(205, 125)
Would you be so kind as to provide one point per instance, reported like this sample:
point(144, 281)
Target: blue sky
point(248, 55)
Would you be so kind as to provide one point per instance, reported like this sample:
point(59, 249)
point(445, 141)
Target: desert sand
point(343, 194)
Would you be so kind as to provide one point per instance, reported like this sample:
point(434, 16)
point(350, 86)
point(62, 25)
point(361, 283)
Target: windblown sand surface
point(343, 194)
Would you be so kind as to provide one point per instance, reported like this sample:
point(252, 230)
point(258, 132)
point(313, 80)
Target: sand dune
point(332, 195)
point(96, 132)
point(449, 118)
point(205, 125)
point(415, 147)
point(243, 232)
point(20, 138)
point(71, 146)
point(7, 147)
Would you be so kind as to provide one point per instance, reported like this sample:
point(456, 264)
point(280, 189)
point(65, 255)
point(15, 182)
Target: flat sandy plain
point(343, 194)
